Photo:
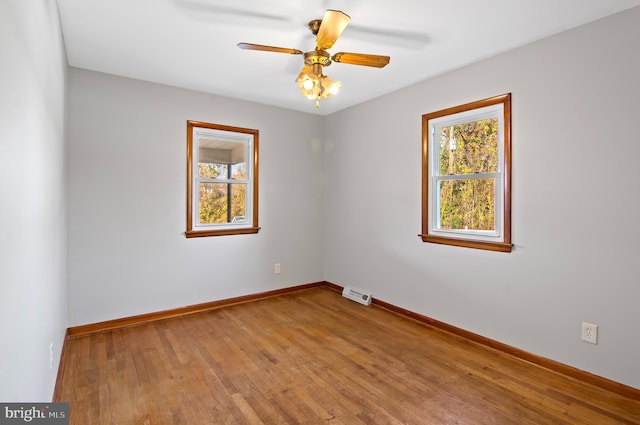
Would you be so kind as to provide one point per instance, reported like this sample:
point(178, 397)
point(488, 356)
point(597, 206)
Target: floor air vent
point(357, 295)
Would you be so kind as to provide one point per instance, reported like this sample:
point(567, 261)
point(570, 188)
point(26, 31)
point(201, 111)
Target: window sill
point(489, 246)
point(224, 232)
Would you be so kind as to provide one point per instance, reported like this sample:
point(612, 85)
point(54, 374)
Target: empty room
point(320, 212)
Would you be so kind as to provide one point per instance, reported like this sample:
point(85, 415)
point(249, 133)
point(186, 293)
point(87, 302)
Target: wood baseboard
point(578, 374)
point(61, 366)
point(552, 365)
point(81, 330)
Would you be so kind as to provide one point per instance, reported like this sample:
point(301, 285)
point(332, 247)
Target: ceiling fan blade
point(361, 59)
point(251, 46)
point(333, 23)
point(203, 6)
point(393, 37)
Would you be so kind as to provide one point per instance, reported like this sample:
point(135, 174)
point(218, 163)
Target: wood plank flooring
point(313, 357)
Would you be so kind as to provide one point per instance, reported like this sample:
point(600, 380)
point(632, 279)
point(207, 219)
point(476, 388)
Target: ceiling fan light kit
point(314, 85)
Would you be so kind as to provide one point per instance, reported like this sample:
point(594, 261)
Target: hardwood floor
point(313, 357)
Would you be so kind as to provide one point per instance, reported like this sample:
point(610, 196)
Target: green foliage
point(467, 149)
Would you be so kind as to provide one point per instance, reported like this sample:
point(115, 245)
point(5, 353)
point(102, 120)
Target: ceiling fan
point(313, 83)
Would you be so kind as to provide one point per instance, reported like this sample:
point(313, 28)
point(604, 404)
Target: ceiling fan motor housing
point(317, 56)
point(314, 26)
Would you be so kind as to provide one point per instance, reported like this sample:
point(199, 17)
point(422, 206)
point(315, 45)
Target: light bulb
point(334, 88)
point(308, 84)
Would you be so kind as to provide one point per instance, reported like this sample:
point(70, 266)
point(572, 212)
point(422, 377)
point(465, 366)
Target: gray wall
point(576, 149)
point(575, 200)
point(127, 201)
point(33, 297)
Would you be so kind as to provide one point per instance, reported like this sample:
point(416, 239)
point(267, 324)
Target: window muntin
point(222, 196)
point(466, 175)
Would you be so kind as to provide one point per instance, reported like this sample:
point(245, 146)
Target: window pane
point(217, 156)
point(216, 207)
point(467, 204)
point(213, 203)
point(239, 171)
point(219, 171)
point(211, 170)
point(238, 203)
point(470, 147)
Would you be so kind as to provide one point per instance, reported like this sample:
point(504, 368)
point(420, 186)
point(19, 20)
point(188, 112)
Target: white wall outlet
point(589, 333)
point(51, 356)
point(276, 268)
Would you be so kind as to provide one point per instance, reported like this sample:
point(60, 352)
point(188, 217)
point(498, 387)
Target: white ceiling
point(192, 43)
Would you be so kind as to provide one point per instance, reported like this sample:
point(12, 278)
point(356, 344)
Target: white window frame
point(435, 125)
point(498, 239)
point(248, 137)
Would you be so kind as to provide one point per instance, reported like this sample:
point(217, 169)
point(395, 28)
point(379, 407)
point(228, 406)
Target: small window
point(222, 180)
point(466, 175)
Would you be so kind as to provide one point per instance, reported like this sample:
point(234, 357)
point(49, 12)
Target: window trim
point(252, 227)
point(460, 238)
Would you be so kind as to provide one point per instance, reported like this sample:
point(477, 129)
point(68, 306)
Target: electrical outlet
point(276, 268)
point(589, 333)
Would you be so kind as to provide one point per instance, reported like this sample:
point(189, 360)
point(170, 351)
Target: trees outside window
point(466, 175)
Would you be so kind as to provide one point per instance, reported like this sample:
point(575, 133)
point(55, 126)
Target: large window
point(222, 180)
point(466, 175)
